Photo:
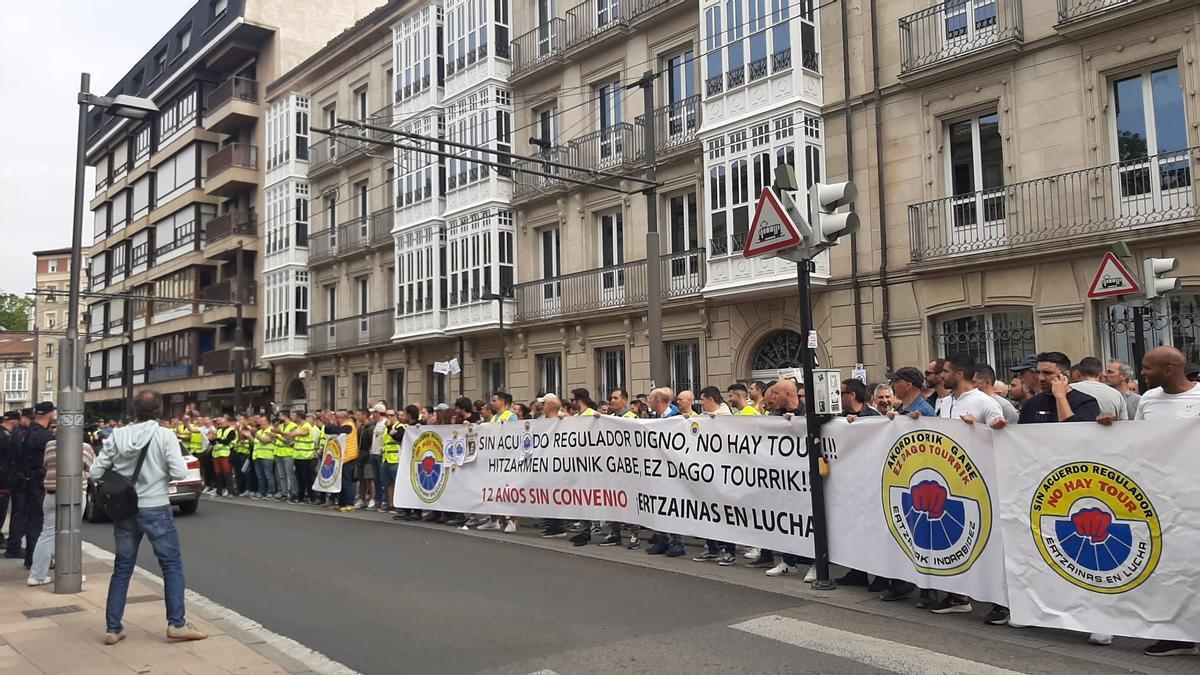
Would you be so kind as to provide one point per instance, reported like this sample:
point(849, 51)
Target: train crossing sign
point(1112, 279)
point(771, 230)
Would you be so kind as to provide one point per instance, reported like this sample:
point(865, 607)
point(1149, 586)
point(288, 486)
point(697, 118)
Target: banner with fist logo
point(915, 500)
point(1100, 526)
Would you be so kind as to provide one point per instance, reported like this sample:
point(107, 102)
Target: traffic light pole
point(812, 425)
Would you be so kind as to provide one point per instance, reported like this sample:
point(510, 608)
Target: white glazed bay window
point(482, 118)
point(747, 40)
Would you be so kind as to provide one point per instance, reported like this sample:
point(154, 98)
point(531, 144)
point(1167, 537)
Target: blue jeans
point(380, 487)
point(264, 469)
point(157, 523)
point(44, 551)
point(285, 476)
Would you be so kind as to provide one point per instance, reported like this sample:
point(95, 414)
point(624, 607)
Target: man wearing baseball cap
point(908, 384)
point(1026, 370)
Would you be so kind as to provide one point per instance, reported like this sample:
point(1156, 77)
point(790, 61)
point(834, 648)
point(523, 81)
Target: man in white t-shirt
point(964, 401)
point(1173, 396)
point(985, 381)
point(1087, 379)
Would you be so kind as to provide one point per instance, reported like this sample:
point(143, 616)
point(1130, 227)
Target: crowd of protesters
point(275, 457)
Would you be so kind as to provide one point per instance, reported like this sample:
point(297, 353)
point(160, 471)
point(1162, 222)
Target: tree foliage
point(14, 311)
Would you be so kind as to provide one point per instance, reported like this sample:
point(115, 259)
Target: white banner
point(329, 468)
point(736, 479)
point(1100, 527)
point(916, 500)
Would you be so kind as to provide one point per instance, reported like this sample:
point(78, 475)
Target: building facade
point(178, 201)
point(49, 318)
point(1000, 148)
point(17, 371)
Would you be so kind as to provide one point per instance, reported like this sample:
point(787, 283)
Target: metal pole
point(503, 358)
point(127, 370)
point(239, 335)
point(813, 432)
point(658, 373)
point(68, 540)
point(1139, 342)
point(462, 358)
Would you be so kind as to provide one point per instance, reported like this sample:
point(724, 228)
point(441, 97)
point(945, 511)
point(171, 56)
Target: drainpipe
point(885, 298)
point(855, 285)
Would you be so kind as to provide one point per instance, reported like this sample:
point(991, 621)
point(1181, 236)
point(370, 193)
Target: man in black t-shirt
point(1057, 402)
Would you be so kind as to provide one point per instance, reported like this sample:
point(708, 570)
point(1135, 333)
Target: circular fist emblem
point(428, 472)
point(936, 503)
point(1095, 527)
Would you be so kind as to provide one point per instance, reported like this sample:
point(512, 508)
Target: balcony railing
point(608, 148)
point(220, 361)
point(606, 288)
point(234, 155)
point(592, 18)
point(538, 45)
point(955, 27)
point(228, 224)
point(1074, 9)
point(226, 291)
point(530, 183)
point(1072, 207)
point(352, 332)
point(235, 88)
point(323, 154)
point(381, 226)
point(675, 124)
point(358, 234)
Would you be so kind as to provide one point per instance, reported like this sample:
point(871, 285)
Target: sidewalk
point(42, 632)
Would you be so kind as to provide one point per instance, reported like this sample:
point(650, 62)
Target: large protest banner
point(742, 480)
point(915, 500)
point(1101, 526)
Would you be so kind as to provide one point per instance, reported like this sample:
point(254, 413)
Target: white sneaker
point(782, 570)
point(489, 525)
point(34, 581)
point(811, 575)
point(358, 503)
point(1100, 639)
point(753, 554)
point(510, 527)
point(371, 504)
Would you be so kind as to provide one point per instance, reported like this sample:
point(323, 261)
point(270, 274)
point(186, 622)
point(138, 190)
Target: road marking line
point(310, 658)
point(544, 671)
point(872, 651)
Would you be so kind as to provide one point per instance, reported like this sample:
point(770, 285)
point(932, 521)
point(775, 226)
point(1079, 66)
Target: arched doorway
point(781, 349)
point(297, 396)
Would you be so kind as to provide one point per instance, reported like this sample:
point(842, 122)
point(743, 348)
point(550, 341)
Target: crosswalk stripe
point(876, 652)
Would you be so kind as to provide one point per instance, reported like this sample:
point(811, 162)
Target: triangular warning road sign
point(1112, 279)
point(771, 229)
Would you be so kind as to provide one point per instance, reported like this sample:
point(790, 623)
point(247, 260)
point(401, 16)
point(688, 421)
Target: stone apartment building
point(1000, 148)
point(52, 278)
point(178, 203)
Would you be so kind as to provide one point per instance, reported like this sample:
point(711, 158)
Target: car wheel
point(92, 512)
point(187, 508)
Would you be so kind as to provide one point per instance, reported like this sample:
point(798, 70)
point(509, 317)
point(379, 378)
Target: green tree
point(14, 311)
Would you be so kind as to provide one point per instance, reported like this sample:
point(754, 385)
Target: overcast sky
point(44, 45)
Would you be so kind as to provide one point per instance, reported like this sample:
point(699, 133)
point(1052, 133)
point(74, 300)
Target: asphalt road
point(383, 597)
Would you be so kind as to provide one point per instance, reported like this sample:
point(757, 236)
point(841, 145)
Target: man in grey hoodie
point(164, 463)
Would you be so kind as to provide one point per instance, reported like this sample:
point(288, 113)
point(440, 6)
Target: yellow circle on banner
point(936, 502)
point(428, 470)
point(1095, 527)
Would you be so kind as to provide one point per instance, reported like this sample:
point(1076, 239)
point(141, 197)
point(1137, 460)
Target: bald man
point(684, 402)
point(1173, 396)
point(667, 544)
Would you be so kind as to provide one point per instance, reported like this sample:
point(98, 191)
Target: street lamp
point(499, 298)
point(68, 541)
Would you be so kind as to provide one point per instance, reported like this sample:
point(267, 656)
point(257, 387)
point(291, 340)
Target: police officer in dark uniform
point(27, 498)
point(7, 426)
point(18, 482)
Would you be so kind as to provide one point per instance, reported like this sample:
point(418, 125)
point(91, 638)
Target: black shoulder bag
point(115, 494)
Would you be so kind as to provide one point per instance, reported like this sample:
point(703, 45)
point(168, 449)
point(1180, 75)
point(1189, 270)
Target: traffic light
point(829, 225)
point(1154, 282)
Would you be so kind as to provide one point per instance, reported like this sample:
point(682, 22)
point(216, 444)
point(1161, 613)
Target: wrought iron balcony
point(234, 155)
point(527, 184)
point(607, 288)
point(352, 332)
point(323, 155)
point(675, 124)
point(538, 46)
point(953, 28)
point(608, 148)
point(358, 234)
point(230, 223)
point(235, 88)
point(1076, 207)
point(1069, 10)
point(591, 19)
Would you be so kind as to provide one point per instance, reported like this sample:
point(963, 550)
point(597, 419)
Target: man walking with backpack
point(148, 455)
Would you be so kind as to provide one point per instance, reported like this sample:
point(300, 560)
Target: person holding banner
point(737, 396)
point(1173, 396)
point(660, 405)
point(341, 424)
point(618, 402)
point(501, 403)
